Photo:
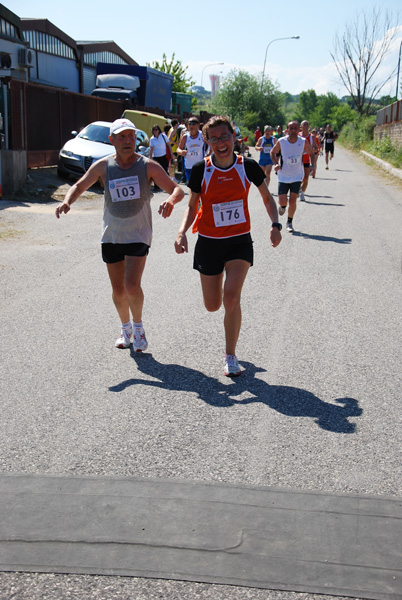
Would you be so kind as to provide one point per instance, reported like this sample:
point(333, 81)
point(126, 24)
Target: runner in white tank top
point(191, 146)
point(287, 156)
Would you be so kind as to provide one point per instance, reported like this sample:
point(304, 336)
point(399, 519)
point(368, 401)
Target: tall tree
point(326, 103)
point(359, 52)
point(340, 115)
point(316, 109)
point(306, 105)
point(240, 98)
point(181, 81)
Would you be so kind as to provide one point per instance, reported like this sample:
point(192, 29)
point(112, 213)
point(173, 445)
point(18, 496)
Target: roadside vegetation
point(387, 151)
point(358, 135)
point(241, 99)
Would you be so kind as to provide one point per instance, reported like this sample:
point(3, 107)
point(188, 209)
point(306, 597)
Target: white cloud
point(322, 78)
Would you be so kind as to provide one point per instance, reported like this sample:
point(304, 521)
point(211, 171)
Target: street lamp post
point(293, 37)
point(397, 77)
point(210, 65)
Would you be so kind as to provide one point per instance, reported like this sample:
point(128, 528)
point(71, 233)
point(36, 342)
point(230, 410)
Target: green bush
point(384, 149)
point(358, 135)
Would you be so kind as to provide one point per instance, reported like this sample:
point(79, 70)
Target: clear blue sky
point(237, 34)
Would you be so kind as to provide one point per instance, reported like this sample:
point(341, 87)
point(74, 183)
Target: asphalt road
point(317, 408)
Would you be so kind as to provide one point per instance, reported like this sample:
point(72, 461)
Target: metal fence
point(390, 114)
point(42, 118)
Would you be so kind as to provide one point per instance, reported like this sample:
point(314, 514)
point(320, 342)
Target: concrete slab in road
point(216, 533)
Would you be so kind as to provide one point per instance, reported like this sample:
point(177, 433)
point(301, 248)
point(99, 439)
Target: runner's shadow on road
point(322, 238)
point(243, 390)
point(306, 201)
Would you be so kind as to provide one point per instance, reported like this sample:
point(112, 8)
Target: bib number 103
point(229, 213)
point(126, 188)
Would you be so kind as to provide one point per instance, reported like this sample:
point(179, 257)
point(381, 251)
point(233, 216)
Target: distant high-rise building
point(215, 81)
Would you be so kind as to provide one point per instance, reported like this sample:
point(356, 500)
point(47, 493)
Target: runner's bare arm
point(276, 150)
point(190, 213)
point(162, 179)
point(271, 208)
point(181, 147)
point(96, 172)
point(309, 150)
point(258, 145)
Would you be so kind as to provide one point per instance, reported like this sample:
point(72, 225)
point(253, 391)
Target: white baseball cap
point(121, 125)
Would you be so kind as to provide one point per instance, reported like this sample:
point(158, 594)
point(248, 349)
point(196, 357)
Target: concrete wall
point(13, 164)
point(393, 130)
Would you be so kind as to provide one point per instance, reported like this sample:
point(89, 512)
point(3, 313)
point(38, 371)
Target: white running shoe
point(281, 210)
point(302, 198)
point(125, 339)
point(140, 343)
point(289, 227)
point(232, 368)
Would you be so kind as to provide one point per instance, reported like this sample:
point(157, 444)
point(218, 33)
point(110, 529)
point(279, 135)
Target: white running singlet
point(292, 165)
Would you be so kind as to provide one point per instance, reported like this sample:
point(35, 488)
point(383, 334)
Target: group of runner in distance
point(219, 181)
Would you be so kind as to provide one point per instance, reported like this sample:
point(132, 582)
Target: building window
point(92, 58)
point(8, 29)
point(48, 44)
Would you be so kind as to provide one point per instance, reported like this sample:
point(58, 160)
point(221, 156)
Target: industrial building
point(36, 53)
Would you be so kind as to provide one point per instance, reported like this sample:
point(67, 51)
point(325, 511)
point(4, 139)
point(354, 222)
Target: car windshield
point(96, 133)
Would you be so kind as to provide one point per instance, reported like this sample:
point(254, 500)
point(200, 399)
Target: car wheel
point(62, 174)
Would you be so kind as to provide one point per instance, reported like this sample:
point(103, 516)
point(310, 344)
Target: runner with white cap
point(127, 222)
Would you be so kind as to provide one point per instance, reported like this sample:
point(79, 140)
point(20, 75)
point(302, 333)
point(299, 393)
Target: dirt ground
point(44, 185)
point(40, 193)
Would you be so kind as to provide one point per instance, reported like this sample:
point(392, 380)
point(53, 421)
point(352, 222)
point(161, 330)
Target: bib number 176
point(229, 213)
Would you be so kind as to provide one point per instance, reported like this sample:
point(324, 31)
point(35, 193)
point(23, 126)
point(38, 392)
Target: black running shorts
point(283, 188)
point(114, 253)
point(210, 255)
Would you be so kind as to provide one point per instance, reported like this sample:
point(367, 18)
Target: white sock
point(126, 325)
point(138, 325)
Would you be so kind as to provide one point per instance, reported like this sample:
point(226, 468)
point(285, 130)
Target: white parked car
point(92, 143)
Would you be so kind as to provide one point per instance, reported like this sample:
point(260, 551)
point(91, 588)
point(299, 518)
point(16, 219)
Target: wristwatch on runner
point(277, 225)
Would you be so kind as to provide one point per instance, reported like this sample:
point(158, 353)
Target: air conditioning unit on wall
point(25, 57)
